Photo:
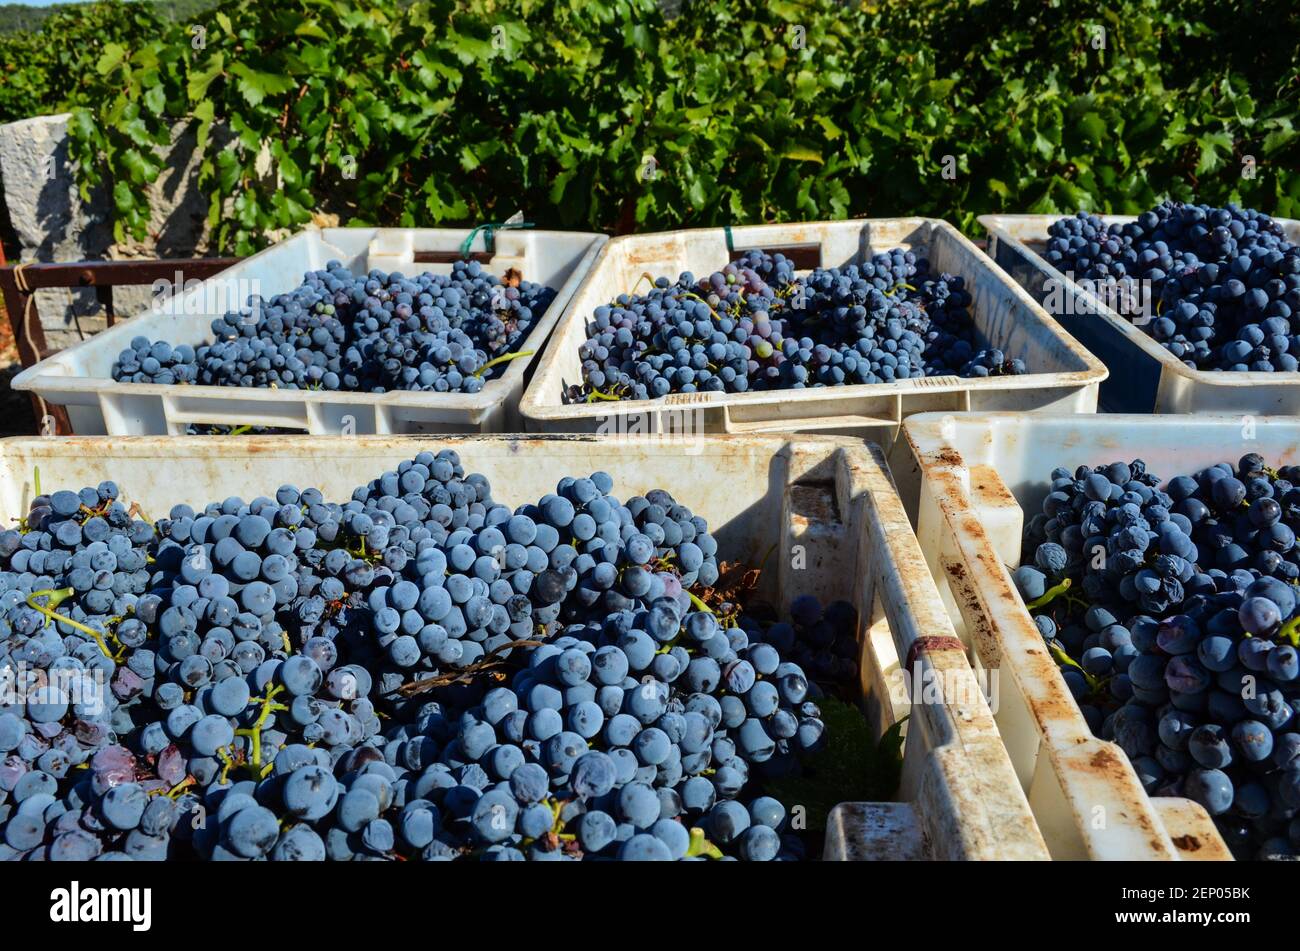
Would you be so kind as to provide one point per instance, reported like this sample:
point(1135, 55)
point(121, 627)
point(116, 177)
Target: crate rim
point(996, 227)
point(30, 378)
point(534, 405)
point(928, 437)
point(963, 779)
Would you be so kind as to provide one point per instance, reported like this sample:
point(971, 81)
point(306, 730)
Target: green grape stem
point(1290, 632)
point(505, 358)
point(699, 604)
point(697, 297)
point(702, 846)
point(1050, 595)
point(254, 732)
point(57, 597)
point(1065, 660)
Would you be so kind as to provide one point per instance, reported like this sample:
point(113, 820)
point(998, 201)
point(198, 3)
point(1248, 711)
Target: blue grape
point(644, 848)
point(263, 662)
point(331, 325)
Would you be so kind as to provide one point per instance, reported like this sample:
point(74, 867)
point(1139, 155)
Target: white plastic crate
point(1144, 376)
point(1064, 377)
point(80, 377)
point(823, 507)
point(981, 477)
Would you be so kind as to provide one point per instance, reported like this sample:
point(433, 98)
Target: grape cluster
point(1224, 282)
point(951, 340)
point(821, 640)
point(1174, 613)
point(370, 334)
point(755, 325)
point(420, 672)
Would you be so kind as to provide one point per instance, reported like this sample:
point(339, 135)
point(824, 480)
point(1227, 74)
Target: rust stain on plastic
point(988, 645)
point(993, 490)
point(1058, 706)
point(814, 504)
point(1104, 759)
point(1104, 762)
point(949, 457)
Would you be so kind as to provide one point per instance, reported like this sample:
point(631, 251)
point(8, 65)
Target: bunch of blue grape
point(370, 334)
point(1174, 615)
point(756, 325)
point(1224, 282)
point(951, 339)
point(419, 672)
point(822, 640)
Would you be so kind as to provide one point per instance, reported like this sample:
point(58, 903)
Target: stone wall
point(53, 223)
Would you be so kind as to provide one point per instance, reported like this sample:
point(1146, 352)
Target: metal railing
point(19, 284)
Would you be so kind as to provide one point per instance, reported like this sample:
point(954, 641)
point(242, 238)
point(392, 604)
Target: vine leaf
point(256, 85)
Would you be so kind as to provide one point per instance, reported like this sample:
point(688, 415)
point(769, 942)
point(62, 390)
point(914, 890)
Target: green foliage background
point(462, 112)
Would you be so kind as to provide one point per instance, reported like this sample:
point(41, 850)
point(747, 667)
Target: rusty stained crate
point(980, 477)
point(831, 497)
